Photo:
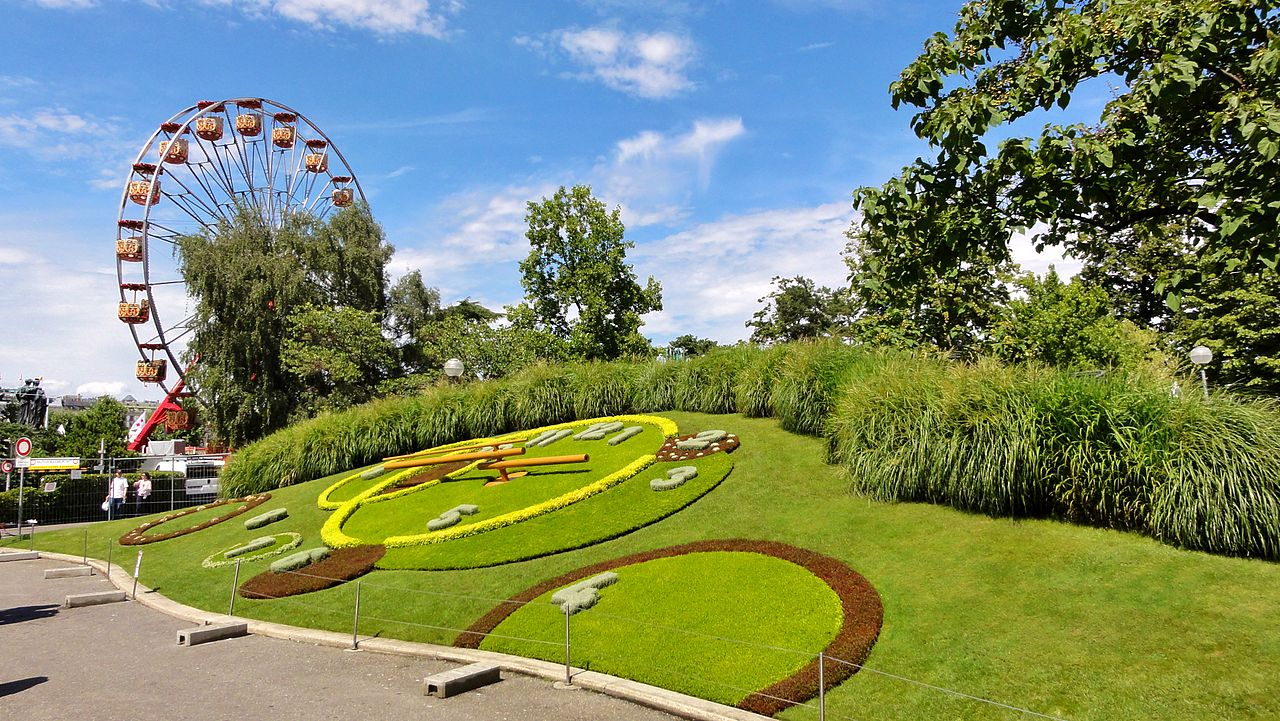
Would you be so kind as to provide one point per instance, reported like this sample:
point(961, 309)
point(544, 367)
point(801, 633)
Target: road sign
point(22, 462)
point(22, 447)
point(6, 466)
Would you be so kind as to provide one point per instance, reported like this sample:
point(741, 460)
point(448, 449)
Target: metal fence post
point(822, 687)
point(109, 544)
point(355, 623)
point(85, 560)
point(235, 581)
point(137, 568)
point(568, 676)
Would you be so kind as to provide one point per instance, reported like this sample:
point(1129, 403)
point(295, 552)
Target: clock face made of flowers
point(490, 501)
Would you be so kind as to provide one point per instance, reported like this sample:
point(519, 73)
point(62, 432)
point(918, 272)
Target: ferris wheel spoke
point(191, 206)
point(192, 195)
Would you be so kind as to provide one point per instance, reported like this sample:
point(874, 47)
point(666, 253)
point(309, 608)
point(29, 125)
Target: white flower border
point(277, 550)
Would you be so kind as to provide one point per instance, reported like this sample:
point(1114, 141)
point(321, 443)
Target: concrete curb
point(643, 694)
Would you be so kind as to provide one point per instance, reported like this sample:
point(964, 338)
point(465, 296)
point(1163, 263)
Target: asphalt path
point(121, 661)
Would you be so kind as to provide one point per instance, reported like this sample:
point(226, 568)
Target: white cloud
point(66, 304)
point(652, 173)
point(100, 388)
point(42, 128)
point(714, 274)
point(385, 17)
point(646, 65)
point(1022, 249)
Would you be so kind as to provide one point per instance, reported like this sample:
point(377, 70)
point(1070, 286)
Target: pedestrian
point(141, 492)
point(117, 491)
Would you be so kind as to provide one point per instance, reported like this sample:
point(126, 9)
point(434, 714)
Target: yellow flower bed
point(332, 535)
point(525, 514)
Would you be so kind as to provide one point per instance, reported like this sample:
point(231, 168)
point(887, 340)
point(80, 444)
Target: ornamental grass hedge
point(1025, 441)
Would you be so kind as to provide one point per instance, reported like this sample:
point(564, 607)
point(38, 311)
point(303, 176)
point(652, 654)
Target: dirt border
point(862, 615)
point(340, 566)
point(135, 537)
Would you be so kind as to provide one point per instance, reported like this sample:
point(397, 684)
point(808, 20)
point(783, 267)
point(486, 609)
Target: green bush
point(655, 386)
point(1116, 451)
point(603, 389)
point(708, 383)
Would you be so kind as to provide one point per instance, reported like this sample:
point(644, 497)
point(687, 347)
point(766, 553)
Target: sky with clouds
point(730, 134)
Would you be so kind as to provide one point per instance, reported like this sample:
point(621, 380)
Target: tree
point(1188, 145)
point(1237, 316)
point(797, 309)
point(578, 285)
point(103, 421)
point(247, 278)
point(338, 354)
point(1068, 325)
point(901, 293)
point(691, 345)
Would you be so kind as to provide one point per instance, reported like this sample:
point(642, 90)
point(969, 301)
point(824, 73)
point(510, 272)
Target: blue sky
point(731, 134)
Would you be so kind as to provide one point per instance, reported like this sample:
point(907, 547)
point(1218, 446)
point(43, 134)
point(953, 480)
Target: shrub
point(708, 384)
point(294, 561)
point(655, 386)
point(602, 389)
point(269, 517)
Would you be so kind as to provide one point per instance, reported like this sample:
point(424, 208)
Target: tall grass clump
point(1117, 452)
point(1222, 489)
point(708, 383)
point(541, 395)
point(603, 389)
point(754, 395)
point(655, 386)
point(809, 377)
point(485, 408)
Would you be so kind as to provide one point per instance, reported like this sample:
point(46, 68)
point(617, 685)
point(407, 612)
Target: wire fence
point(734, 671)
point(76, 496)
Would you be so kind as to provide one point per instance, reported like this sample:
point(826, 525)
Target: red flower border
point(863, 615)
point(340, 566)
point(135, 537)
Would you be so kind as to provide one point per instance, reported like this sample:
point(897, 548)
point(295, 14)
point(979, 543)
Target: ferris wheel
point(199, 168)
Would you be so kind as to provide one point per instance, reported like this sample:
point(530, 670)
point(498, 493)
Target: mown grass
point(1079, 622)
point(719, 601)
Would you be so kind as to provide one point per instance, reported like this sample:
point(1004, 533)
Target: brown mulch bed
point(860, 605)
point(669, 452)
point(136, 537)
point(340, 566)
point(429, 473)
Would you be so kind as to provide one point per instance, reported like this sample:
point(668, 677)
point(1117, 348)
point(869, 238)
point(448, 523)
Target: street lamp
point(1201, 356)
point(453, 368)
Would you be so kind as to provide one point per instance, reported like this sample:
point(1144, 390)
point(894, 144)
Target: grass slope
point(629, 632)
point(1079, 622)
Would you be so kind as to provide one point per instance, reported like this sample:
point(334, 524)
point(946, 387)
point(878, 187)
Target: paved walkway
point(121, 661)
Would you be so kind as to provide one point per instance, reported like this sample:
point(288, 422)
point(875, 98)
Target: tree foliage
point(1068, 325)
point(1237, 316)
point(692, 346)
point(101, 422)
point(1188, 144)
point(247, 278)
point(578, 284)
point(338, 354)
point(798, 308)
point(903, 295)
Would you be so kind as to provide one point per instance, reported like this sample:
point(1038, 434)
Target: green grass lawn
point(716, 598)
point(1077, 622)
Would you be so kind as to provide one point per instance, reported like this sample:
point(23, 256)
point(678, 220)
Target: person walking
point(117, 490)
point(141, 492)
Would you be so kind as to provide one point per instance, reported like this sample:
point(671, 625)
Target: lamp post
point(1201, 355)
point(453, 368)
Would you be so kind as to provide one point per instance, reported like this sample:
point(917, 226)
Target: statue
point(32, 404)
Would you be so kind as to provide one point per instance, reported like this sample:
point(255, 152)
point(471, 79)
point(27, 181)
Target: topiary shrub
point(452, 516)
point(298, 560)
point(627, 433)
point(583, 594)
point(263, 519)
point(676, 477)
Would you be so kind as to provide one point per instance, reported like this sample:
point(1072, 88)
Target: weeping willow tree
point(246, 278)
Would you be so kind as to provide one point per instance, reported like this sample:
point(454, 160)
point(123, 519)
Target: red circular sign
point(6, 466)
point(22, 447)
